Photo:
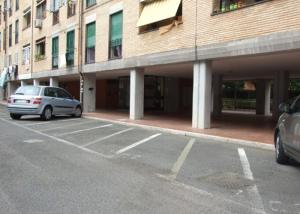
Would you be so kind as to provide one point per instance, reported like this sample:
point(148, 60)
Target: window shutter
point(116, 26)
point(91, 37)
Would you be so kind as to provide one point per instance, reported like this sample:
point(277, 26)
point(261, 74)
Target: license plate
point(21, 101)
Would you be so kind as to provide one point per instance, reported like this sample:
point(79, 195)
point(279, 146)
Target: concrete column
point(260, 97)
point(217, 95)
point(136, 94)
point(281, 83)
point(36, 82)
point(11, 88)
point(202, 95)
point(171, 95)
point(23, 83)
point(89, 93)
point(268, 87)
point(53, 82)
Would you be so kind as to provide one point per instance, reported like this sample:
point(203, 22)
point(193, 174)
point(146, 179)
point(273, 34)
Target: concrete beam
point(202, 95)
point(136, 94)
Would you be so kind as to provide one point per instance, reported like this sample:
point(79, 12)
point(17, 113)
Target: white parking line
point(178, 164)
point(52, 121)
point(137, 143)
point(252, 190)
point(84, 130)
point(107, 137)
point(67, 125)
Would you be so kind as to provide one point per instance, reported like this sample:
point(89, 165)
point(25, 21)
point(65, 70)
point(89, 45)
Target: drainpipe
point(80, 49)
point(31, 48)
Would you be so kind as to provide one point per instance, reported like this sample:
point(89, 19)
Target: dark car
point(287, 132)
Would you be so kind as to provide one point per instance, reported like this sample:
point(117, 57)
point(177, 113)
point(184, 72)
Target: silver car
point(44, 101)
point(287, 132)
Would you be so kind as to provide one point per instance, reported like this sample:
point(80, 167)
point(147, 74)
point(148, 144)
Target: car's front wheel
point(281, 157)
point(47, 113)
point(15, 116)
point(78, 112)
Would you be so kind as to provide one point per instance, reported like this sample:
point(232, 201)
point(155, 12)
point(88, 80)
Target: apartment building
point(160, 56)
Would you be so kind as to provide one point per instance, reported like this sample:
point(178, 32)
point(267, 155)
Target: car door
point(295, 127)
point(50, 94)
point(67, 101)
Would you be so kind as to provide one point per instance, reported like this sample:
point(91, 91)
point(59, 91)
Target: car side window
point(63, 94)
point(296, 107)
point(50, 92)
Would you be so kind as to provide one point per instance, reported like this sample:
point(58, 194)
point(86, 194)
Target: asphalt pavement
point(79, 165)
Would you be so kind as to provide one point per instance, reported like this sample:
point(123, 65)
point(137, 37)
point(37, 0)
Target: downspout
point(31, 48)
point(80, 49)
point(196, 32)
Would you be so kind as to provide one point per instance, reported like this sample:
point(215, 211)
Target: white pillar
point(36, 82)
point(11, 88)
point(136, 94)
point(53, 82)
point(268, 98)
point(23, 83)
point(202, 95)
point(89, 93)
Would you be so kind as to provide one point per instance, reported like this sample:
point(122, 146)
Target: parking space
point(243, 175)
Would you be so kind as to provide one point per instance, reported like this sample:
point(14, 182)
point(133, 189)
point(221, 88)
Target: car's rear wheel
point(78, 112)
point(281, 157)
point(15, 116)
point(47, 113)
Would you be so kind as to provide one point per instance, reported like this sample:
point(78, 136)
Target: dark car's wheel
point(78, 112)
point(47, 113)
point(281, 157)
point(15, 116)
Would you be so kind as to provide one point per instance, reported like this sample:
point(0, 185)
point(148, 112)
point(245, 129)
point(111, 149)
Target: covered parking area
point(191, 96)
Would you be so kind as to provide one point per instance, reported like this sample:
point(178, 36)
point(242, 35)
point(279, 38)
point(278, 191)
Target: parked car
point(287, 132)
point(44, 101)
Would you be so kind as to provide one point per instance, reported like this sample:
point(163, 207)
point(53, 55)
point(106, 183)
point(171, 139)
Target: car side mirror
point(285, 108)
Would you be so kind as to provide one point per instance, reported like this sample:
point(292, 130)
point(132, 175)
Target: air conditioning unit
point(38, 23)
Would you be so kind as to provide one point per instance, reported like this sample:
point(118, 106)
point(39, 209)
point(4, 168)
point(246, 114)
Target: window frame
point(110, 40)
point(40, 42)
point(90, 48)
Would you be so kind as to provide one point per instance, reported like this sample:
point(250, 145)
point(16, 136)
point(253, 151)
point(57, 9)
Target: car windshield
point(28, 90)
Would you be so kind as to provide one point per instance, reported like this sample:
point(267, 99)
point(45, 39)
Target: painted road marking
point(137, 143)
point(107, 137)
point(84, 130)
point(52, 122)
point(178, 164)
point(67, 125)
point(33, 141)
point(252, 190)
point(58, 139)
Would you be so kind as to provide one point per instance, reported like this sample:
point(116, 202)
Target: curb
point(253, 144)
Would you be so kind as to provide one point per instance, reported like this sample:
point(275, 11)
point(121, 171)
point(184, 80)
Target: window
point(26, 55)
point(10, 36)
point(90, 3)
point(150, 19)
point(17, 32)
point(41, 9)
point(55, 52)
point(71, 9)
point(63, 94)
point(0, 41)
point(55, 18)
point(90, 42)
point(17, 5)
point(27, 18)
point(70, 48)
point(9, 7)
point(221, 6)
point(116, 28)
point(9, 60)
point(50, 92)
point(40, 49)
point(0, 14)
